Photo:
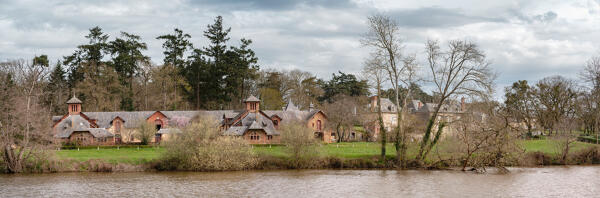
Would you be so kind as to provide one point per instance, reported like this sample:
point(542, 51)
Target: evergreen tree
point(90, 54)
point(126, 55)
point(57, 90)
point(175, 46)
point(346, 84)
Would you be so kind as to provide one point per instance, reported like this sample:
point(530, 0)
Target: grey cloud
point(436, 17)
point(546, 17)
point(274, 5)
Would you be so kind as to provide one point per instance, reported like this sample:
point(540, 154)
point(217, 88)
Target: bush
point(145, 132)
point(200, 148)
point(300, 142)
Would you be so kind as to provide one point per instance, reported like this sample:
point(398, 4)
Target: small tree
point(300, 142)
point(145, 132)
point(374, 69)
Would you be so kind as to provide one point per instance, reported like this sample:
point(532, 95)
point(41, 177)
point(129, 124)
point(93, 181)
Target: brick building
point(251, 123)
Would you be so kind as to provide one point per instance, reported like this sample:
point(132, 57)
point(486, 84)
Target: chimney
point(419, 105)
point(462, 104)
point(374, 103)
point(311, 107)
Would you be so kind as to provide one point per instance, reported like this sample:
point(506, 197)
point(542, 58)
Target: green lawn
point(342, 150)
point(550, 146)
point(113, 155)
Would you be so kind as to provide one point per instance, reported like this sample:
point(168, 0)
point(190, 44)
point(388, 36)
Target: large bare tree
point(462, 69)
point(24, 125)
point(383, 37)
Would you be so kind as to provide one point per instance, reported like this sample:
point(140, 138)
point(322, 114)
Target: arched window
point(319, 125)
point(117, 126)
point(158, 124)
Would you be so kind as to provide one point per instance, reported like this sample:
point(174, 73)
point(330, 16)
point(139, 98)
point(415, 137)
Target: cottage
point(251, 123)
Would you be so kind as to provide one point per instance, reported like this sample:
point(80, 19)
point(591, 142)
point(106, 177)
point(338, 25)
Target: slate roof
point(252, 99)
point(74, 100)
point(446, 108)
point(100, 132)
point(293, 116)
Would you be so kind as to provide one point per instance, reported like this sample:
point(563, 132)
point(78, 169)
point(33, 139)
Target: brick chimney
point(462, 104)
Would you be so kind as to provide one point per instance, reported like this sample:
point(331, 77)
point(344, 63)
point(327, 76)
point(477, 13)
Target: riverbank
point(357, 155)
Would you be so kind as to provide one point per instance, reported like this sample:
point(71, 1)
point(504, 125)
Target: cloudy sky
point(524, 39)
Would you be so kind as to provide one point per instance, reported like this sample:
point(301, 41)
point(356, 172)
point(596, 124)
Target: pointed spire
point(290, 106)
point(74, 100)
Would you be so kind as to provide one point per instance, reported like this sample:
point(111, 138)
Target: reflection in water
point(576, 181)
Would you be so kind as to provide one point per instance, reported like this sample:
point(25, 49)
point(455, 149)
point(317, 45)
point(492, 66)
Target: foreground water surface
point(574, 181)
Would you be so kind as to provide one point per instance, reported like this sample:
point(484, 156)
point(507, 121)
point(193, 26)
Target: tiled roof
point(252, 99)
point(74, 100)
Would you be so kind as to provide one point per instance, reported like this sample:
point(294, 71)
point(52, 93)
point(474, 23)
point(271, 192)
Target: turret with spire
point(252, 104)
point(74, 105)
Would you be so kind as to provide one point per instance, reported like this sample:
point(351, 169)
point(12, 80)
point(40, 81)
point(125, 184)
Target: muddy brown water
point(574, 181)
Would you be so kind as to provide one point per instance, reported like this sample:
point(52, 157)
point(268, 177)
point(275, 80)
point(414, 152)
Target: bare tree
point(383, 37)
point(342, 115)
point(145, 132)
point(300, 142)
point(555, 97)
point(373, 70)
point(591, 111)
point(460, 70)
point(24, 126)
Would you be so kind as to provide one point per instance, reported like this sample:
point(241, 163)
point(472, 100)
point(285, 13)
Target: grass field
point(341, 150)
point(113, 155)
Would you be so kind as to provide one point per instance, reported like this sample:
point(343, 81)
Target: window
point(275, 122)
point(269, 137)
point(158, 124)
point(318, 125)
point(254, 136)
point(117, 126)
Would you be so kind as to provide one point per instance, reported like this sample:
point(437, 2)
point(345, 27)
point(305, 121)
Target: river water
point(574, 181)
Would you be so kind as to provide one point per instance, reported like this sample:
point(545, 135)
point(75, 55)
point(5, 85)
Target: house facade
point(252, 124)
point(419, 111)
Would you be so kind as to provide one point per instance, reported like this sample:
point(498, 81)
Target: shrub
point(145, 132)
point(200, 148)
point(301, 144)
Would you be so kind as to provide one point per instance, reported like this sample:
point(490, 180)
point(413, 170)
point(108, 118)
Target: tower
point(252, 104)
point(74, 106)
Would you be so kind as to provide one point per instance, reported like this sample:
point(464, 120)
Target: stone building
point(252, 124)
point(419, 111)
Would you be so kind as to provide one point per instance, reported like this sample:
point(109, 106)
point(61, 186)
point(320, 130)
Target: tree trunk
point(380, 118)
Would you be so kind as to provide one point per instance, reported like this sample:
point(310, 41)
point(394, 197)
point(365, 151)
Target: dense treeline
point(115, 75)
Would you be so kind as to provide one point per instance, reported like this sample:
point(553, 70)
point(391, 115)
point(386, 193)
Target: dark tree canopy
point(346, 84)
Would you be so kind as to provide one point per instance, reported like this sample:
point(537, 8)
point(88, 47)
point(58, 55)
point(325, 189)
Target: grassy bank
point(112, 155)
point(354, 150)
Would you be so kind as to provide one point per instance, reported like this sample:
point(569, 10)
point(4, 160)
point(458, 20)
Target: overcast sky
point(523, 39)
